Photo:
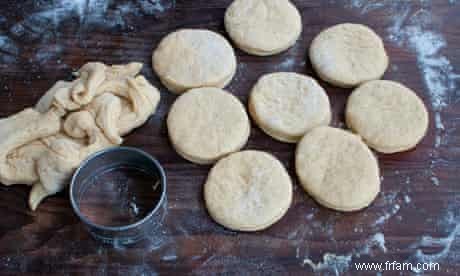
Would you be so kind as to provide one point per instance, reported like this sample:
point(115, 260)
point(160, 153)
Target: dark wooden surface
point(53, 241)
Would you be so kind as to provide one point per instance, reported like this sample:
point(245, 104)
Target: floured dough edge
point(276, 134)
point(202, 161)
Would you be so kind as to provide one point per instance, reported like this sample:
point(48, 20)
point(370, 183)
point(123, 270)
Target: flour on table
point(287, 64)
point(431, 249)
point(390, 207)
point(338, 264)
point(43, 26)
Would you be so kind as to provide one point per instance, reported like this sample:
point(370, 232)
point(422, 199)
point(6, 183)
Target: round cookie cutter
point(112, 159)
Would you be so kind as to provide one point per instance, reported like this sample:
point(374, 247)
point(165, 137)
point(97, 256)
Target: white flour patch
point(382, 219)
point(44, 26)
point(407, 199)
point(390, 208)
point(331, 262)
point(431, 249)
point(338, 264)
point(287, 65)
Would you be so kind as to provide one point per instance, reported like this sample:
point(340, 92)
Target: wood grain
point(53, 241)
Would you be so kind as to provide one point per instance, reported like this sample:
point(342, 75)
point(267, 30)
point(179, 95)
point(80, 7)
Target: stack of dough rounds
point(287, 105)
point(348, 55)
point(337, 169)
point(206, 124)
point(389, 116)
point(263, 27)
point(248, 191)
point(193, 58)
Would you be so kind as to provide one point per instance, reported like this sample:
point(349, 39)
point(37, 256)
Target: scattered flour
point(389, 206)
point(43, 27)
point(331, 262)
point(435, 180)
point(382, 219)
point(431, 249)
point(407, 199)
point(287, 65)
point(338, 264)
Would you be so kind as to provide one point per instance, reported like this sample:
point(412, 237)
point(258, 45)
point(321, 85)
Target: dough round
point(337, 169)
point(193, 58)
point(347, 55)
point(263, 27)
point(389, 116)
point(206, 124)
point(248, 191)
point(287, 105)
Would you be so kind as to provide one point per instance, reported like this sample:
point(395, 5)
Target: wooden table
point(420, 190)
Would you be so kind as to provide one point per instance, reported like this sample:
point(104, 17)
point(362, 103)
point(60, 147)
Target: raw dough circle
point(389, 116)
point(287, 105)
point(248, 191)
point(263, 27)
point(337, 169)
point(347, 55)
point(206, 124)
point(192, 58)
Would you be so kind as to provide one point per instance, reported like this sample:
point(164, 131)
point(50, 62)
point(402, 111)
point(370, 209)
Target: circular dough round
point(347, 55)
point(248, 191)
point(337, 169)
point(287, 105)
point(389, 116)
point(263, 27)
point(193, 58)
point(206, 124)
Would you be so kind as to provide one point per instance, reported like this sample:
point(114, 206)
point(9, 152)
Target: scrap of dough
point(71, 121)
point(337, 169)
point(287, 105)
point(263, 27)
point(389, 116)
point(193, 58)
point(206, 124)
point(348, 55)
point(248, 191)
point(16, 132)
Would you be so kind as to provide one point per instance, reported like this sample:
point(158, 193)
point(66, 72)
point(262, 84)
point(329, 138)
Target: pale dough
point(263, 27)
point(248, 191)
point(206, 124)
point(337, 169)
point(348, 55)
point(41, 147)
point(389, 116)
point(193, 58)
point(287, 105)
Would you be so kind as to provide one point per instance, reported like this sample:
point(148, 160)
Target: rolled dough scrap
point(248, 191)
point(337, 169)
point(205, 124)
point(287, 105)
point(42, 146)
point(263, 27)
point(193, 58)
point(389, 116)
point(348, 55)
